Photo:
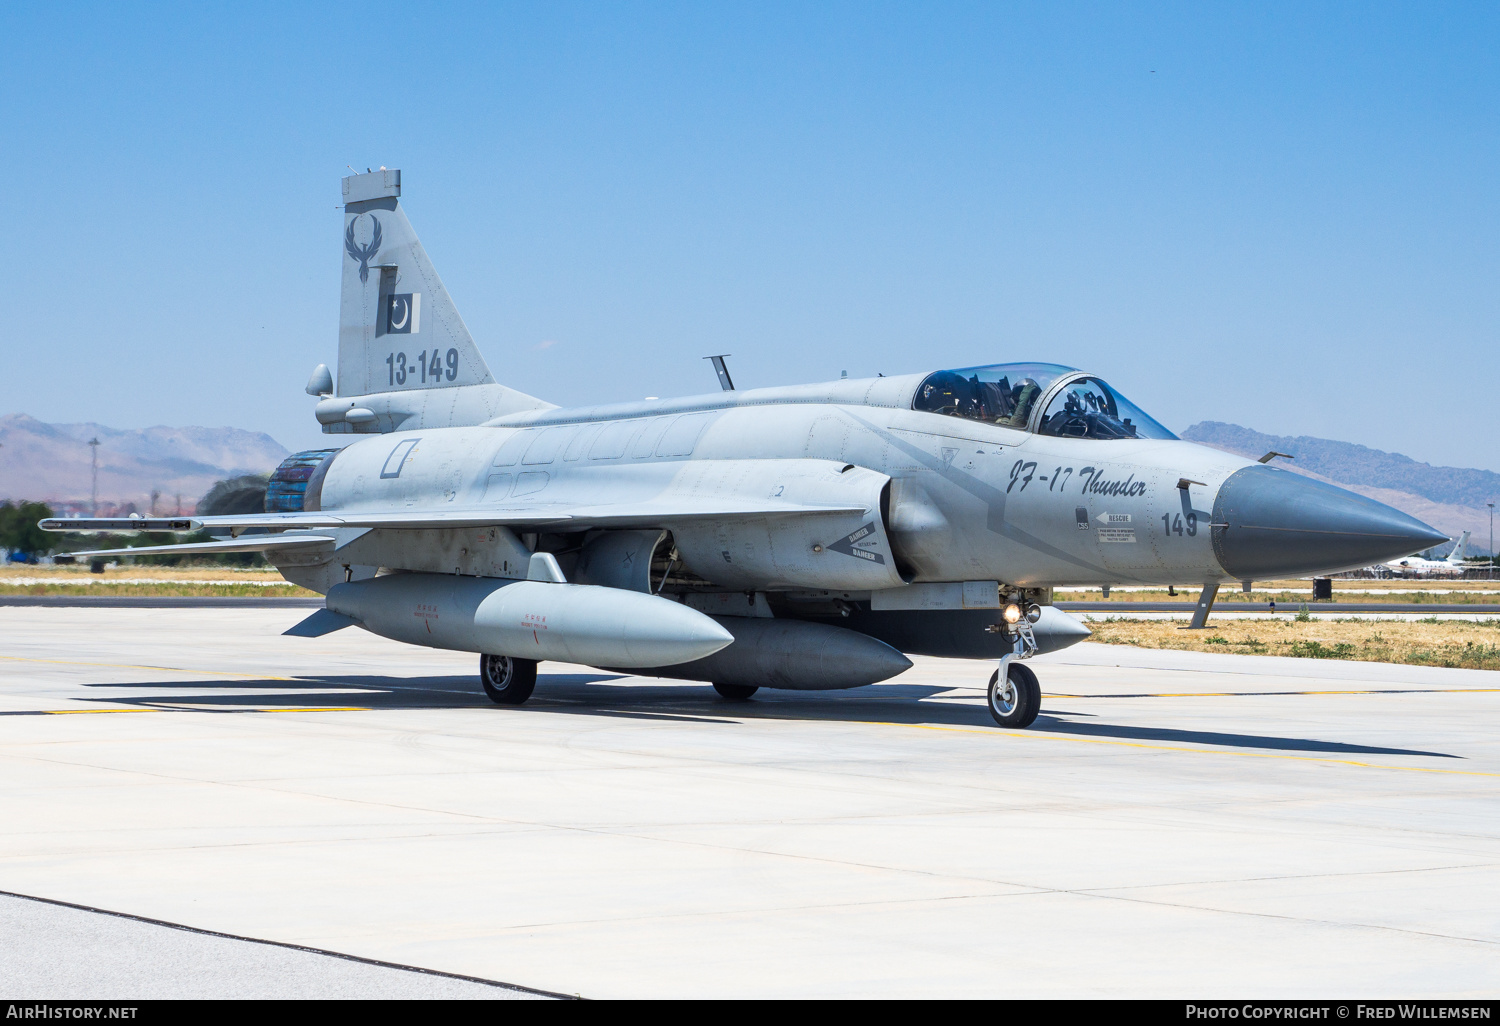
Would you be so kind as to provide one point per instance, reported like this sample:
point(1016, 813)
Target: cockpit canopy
point(1007, 394)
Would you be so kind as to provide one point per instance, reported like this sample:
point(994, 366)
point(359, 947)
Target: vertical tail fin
point(398, 328)
point(1461, 550)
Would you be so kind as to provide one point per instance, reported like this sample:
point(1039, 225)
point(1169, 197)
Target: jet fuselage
point(965, 500)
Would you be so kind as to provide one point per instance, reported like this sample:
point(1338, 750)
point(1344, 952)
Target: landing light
point(1011, 613)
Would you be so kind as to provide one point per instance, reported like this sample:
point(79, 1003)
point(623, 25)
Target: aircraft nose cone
point(1272, 523)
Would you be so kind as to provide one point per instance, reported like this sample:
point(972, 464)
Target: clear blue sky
point(1278, 215)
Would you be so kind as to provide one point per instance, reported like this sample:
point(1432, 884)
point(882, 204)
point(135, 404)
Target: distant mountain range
point(1452, 499)
point(50, 462)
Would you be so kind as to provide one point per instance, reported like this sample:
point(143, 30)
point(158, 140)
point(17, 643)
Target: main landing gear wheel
point(506, 679)
point(1015, 702)
point(736, 692)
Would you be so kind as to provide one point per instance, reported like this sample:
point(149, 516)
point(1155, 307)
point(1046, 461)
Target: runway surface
point(1176, 824)
point(65, 951)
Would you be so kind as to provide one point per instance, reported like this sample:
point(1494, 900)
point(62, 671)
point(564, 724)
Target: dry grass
point(1428, 642)
point(149, 582)
point(1435, 590)
point(163, 589)
point(160, 573)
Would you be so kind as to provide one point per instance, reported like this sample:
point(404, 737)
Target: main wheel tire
point(736, 692)
point(506, 679)
point(1016, 703)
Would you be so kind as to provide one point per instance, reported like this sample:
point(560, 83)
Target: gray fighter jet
point(799, 537)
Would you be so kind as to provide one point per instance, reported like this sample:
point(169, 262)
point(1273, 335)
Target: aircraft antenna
point(722, 369)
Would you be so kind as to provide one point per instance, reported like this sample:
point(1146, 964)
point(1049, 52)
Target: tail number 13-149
point(432, 368)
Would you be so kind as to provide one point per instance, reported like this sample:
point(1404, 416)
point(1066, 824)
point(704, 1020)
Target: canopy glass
point(1007, 393)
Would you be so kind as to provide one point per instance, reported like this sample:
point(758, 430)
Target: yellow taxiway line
point(133, 666)
point(79, 712)
point(185, 708)
point(1029, 736)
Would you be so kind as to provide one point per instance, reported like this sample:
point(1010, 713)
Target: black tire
point(1017, 706)
point(506, 679)
point(736, 692)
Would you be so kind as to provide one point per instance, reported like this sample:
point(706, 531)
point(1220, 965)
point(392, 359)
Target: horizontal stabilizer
point(254, 543)
point(324, 621)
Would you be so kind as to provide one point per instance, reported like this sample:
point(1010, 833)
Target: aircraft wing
point(650, 512)
point(413, 519)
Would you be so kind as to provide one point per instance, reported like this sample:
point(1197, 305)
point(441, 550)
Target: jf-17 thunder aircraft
point(806, 537)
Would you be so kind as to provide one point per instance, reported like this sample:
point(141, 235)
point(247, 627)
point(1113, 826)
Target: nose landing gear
point(1015, 695)
point(1015, 701)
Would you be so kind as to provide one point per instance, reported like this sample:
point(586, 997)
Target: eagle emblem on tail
point(364, 254)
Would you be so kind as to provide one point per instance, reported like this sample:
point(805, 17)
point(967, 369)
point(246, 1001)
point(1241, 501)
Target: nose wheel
point(506, 679)
point(1015, 701)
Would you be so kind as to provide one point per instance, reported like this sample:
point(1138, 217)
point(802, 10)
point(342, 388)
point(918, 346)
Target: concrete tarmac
point(1175, 825)
point(52, 951)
